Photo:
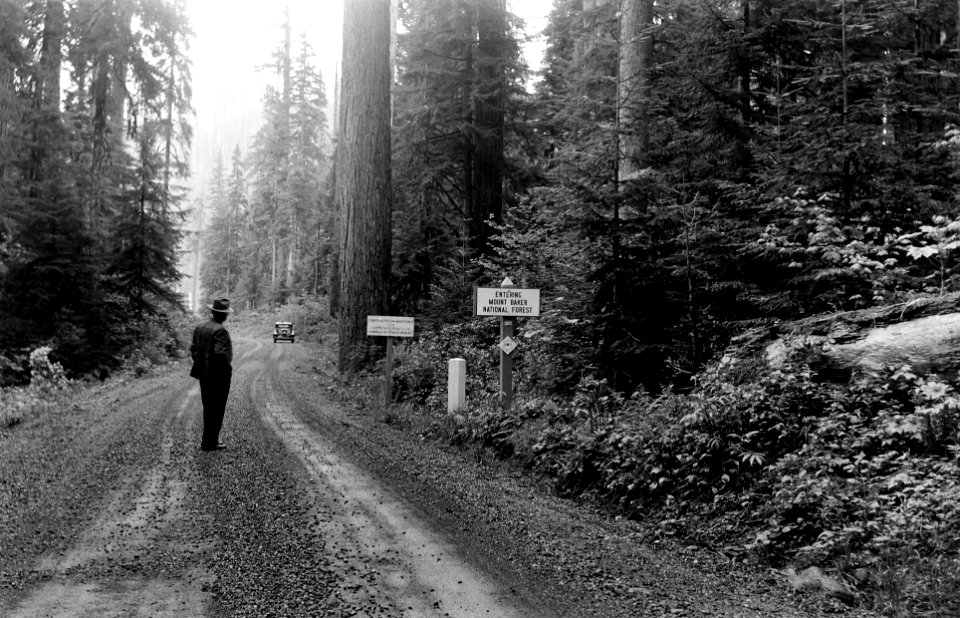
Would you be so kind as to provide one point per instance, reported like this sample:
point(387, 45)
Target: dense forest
point(680, 172)
point(94, 102)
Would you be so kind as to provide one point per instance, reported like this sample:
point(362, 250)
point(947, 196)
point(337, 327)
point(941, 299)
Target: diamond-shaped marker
point(508, 345)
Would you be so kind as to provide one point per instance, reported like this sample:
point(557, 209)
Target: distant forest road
point(109, 508)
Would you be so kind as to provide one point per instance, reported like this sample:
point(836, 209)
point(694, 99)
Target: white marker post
point(456, 384)
point(508, 302)
point(389, 326)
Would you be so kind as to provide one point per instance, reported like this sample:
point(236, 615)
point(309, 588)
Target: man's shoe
point(219, 447)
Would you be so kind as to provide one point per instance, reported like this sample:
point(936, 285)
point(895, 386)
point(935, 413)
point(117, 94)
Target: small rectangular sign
point(389, 326)
point(519, 302)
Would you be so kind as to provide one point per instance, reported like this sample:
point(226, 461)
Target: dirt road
point(315, 510)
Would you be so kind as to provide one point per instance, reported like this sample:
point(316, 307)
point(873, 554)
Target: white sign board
point(389, 326)
point(520, 302)
point(508, 345)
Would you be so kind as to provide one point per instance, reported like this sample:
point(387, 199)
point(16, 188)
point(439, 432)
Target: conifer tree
point(268, 222)
point(144, 268)
point(309, 162)
point(49, 290)
point(142, 265)
point(223, 240)
point(786, 142)
point(218, 258)
point(458, 114)
point(236, 207)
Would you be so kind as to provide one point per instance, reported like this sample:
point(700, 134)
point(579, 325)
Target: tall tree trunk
point(744, 66)
point(51, 55)
point(847, 182)
point(333, 284)
point(46, 98)
point(108, 94)
point(487, 101)
point(632, 135)
point(633, 86)
point(197, 233)
point(363, 174)
point(291, 256)
point(469, 141)
point(285, 141)
point(394, 19)
point(168, 135)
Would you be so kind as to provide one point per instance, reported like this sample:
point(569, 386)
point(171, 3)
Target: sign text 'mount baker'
point(505, 302)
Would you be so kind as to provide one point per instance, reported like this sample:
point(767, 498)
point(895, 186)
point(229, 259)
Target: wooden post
point(507, 304)
point(506, 364)
point(388, 375)
point(506, 361)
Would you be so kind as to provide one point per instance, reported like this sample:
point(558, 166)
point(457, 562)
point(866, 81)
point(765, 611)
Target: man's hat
point(221, 305)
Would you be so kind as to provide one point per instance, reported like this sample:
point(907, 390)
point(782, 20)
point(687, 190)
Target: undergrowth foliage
point(47, 390)
point(420, 373)
point(770, 465)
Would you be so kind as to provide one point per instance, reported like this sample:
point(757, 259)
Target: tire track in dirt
point(138, 520)
point(390, 561)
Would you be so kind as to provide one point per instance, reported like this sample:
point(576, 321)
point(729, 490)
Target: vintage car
point(283, 331)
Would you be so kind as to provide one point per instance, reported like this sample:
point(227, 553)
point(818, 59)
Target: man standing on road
point(212, 354)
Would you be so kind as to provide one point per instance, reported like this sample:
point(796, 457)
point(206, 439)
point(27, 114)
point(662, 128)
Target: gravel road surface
point(109, 508)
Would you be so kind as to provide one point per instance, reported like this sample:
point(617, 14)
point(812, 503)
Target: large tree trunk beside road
point(363, 174)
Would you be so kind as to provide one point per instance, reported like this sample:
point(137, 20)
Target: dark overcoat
point(211, 351)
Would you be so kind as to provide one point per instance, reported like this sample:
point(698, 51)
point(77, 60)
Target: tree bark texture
point(363, 175)
point(51, 55)
point(108, 94)
point(286, 140)
point(333, 272)
point(46, 97)
point(633, 85)
point(333, 263)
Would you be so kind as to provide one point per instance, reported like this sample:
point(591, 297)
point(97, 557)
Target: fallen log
point(923, 333)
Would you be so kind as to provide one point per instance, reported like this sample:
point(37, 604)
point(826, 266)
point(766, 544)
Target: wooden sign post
point(506, 361)
point(389, 326)
point(508, 302)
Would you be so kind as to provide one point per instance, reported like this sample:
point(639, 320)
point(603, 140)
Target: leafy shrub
point(46, 392)
point(862, 476)
point(14, 368)
point(644, 453)
point(934, 246)
point(483, 426)
point(836, 265)
point(420, 372)
point(43, 371)
point(556, 351)
point(877, 476)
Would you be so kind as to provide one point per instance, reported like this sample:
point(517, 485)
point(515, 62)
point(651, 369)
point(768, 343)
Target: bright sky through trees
point(235, 38)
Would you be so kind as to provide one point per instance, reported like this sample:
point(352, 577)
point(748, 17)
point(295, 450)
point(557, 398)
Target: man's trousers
point(213, 394)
